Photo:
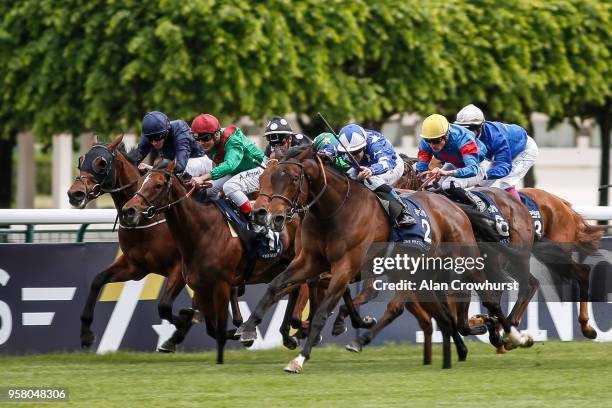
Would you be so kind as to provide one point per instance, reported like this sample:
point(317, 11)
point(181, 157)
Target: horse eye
point(158, 186)
point(99, 164)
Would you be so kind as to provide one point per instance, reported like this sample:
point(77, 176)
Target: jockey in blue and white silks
point(379, 166)
point(461, 154)
point(509, 149)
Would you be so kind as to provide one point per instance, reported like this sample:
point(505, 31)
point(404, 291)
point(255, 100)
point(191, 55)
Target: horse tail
point(587, 236)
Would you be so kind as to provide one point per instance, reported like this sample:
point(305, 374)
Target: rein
point(153, 208)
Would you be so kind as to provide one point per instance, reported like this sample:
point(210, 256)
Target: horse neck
point(334, 196)
point(189, 221)
point(125, 173)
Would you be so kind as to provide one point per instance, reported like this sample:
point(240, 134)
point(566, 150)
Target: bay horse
point(149, 248)
point(343, 219)
point(214, 260)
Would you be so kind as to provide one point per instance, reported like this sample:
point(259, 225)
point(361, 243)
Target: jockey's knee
point(230, 187)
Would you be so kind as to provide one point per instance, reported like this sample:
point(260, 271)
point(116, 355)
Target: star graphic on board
point(164, 330)
point(327, 140)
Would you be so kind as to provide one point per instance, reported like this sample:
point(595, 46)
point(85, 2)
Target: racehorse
point(568, 229)
point(214, 260)
point(149, 248)
point(564, 231)
point(343, 219)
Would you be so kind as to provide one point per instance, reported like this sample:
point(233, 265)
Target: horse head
point(96, 173)
point(153, 196)
point(284, 187)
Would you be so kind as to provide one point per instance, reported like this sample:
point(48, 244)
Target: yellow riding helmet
point(434, 126)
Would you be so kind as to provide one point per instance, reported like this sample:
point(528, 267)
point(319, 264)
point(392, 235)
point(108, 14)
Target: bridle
point(153, 207)
point(107, 183)
point(295, 207)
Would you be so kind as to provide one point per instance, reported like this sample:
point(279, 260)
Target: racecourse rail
point(108, 216)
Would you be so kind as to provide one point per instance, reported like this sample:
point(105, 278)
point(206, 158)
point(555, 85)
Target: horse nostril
point(128, 213)
point(77, 196)
point(278, 219)
point(261, 213)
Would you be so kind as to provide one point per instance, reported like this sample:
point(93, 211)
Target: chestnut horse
point(106, 168)
point(568, 229)
point(214, 260)
point(343, 219)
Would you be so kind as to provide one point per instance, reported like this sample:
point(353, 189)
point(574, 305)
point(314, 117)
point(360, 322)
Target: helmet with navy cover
point(352, 138)
point(155, 125)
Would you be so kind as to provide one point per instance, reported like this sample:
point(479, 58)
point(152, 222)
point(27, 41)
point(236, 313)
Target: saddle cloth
point(416, 236)
point(263, 246)
point(534, 210)
point(501, 224)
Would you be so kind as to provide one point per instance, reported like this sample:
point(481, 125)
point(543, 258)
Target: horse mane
point(131, 155)
point(295, 151)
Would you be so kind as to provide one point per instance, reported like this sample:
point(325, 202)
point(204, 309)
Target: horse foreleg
point(297, 272)
point(119, 271)
point(221, 295)
point(342, 273)
point(183, 322)
point(424, 319)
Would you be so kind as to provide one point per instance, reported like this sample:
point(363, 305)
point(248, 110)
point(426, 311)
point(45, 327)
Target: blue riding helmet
point(155, 125)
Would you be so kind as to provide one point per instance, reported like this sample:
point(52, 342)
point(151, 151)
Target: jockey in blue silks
point(510, 150)
point(461, 154)
point(379, 167)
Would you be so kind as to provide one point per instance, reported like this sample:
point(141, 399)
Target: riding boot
point(466, 197)
point(398, 211)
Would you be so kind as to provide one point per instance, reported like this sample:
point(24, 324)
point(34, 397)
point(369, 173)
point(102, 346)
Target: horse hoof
point(293, 368)
point(590, 333)
point(500, 350)
point(367, 322)
point(478, 330)
point(247, 344)
point(339, 328)
point(291, 342)
point(167, 346)
point(354, 346)
point(528, 342)
point(247, 336)
point(87, 339)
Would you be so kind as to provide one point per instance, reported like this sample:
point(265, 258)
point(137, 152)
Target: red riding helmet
point(205, 123)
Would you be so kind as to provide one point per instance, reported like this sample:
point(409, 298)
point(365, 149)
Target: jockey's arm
point(183, 151)
point(144, 147)
point(502, 159)
point(425, 154)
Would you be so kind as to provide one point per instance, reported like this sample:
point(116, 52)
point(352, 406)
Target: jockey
point(239, 161)
point(173, 140)
point(509, 148)
point(379, 167)
point(279, 134)
point(325, 145)
point(459, 150)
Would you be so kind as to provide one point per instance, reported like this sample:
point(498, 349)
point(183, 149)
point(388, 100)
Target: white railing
point(107, 216)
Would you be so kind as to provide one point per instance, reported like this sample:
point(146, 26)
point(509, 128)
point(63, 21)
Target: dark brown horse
point(214, 260)
point(343, 219)
point(149, 248)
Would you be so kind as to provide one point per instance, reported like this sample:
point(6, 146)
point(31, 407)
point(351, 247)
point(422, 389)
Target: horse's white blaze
point(144, 182)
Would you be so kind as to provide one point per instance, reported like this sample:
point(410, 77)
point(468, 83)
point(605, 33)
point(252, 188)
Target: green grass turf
point(573, 374)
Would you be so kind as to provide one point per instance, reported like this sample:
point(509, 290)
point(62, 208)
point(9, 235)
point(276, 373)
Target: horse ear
point(171, 166)
point(115, 143)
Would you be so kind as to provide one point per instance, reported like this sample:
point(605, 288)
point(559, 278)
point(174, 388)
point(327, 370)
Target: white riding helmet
point(470, 115)
point(353, 137)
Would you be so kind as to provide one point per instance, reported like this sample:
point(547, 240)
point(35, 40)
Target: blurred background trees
point(75, 66)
